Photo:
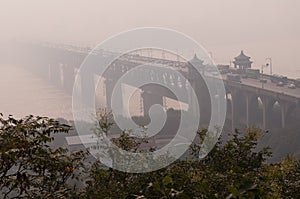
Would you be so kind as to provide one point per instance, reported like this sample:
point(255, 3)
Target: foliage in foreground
point(29, 167)
point(236, 169)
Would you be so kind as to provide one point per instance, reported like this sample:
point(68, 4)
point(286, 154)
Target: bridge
point(249, 103)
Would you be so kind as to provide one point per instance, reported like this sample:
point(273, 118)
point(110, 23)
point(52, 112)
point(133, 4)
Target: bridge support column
point(283, 114)
point(232, 110)
point(190, 98)
point(267, 104)
point(61, 75)
point(68, 78)
point(285, 109)
point(54, 73)
point(251, 107)
point(233, 113)
point(255, 112)
point(203, 98)
point(150, 99)
point(87, 87)
point(239, 110)
point(110, 87)
point(247, 112)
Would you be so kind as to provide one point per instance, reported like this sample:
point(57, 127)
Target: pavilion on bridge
point(242, 61)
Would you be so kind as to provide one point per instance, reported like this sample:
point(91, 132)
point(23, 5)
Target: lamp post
point(262, 75)
point(270, 60)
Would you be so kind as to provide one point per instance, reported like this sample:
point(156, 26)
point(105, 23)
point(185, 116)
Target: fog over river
point(22, 93)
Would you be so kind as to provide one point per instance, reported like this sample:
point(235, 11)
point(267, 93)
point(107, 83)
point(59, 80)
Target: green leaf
point(167, 180)
point(156, 186)
point(233, 190)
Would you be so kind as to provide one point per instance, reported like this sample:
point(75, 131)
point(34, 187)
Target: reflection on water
point(22, 94)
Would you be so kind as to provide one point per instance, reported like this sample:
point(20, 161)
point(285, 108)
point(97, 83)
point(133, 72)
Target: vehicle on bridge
point(280, 84)
point(279, 78)
point(292, 86)
point(234, 78)
point(297, 83)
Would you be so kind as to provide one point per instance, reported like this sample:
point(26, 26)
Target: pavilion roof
point(242, 56)
point(196, 60)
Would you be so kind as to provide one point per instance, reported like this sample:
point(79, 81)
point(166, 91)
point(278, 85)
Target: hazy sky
point(263, 28)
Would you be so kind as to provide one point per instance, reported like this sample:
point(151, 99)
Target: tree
point(29, 167)
point(232, 169)
point(282, 179)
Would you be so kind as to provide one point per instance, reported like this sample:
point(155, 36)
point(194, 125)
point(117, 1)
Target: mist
point(261, 28)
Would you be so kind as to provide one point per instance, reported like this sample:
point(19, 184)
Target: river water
point(22, 93)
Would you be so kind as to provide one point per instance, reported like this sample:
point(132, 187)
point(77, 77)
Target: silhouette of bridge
point(248, 103)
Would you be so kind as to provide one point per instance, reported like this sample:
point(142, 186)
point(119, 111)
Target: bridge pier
point(283, 114)
point(87, 87)
point(267, 105)
point(242, 113)
point(252, 109)
point(68, 78)
point(285, 108)
point(247, 111)
point(229, 107)
point(203, 96)
point(150, 99)
point(190, 98)
point(233, 111)
point(54, 73)
point(204, 102)
point(239, 109)
point(110, 86)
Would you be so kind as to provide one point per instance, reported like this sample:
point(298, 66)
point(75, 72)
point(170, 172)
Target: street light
point(270, 60)
point(262, 75)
